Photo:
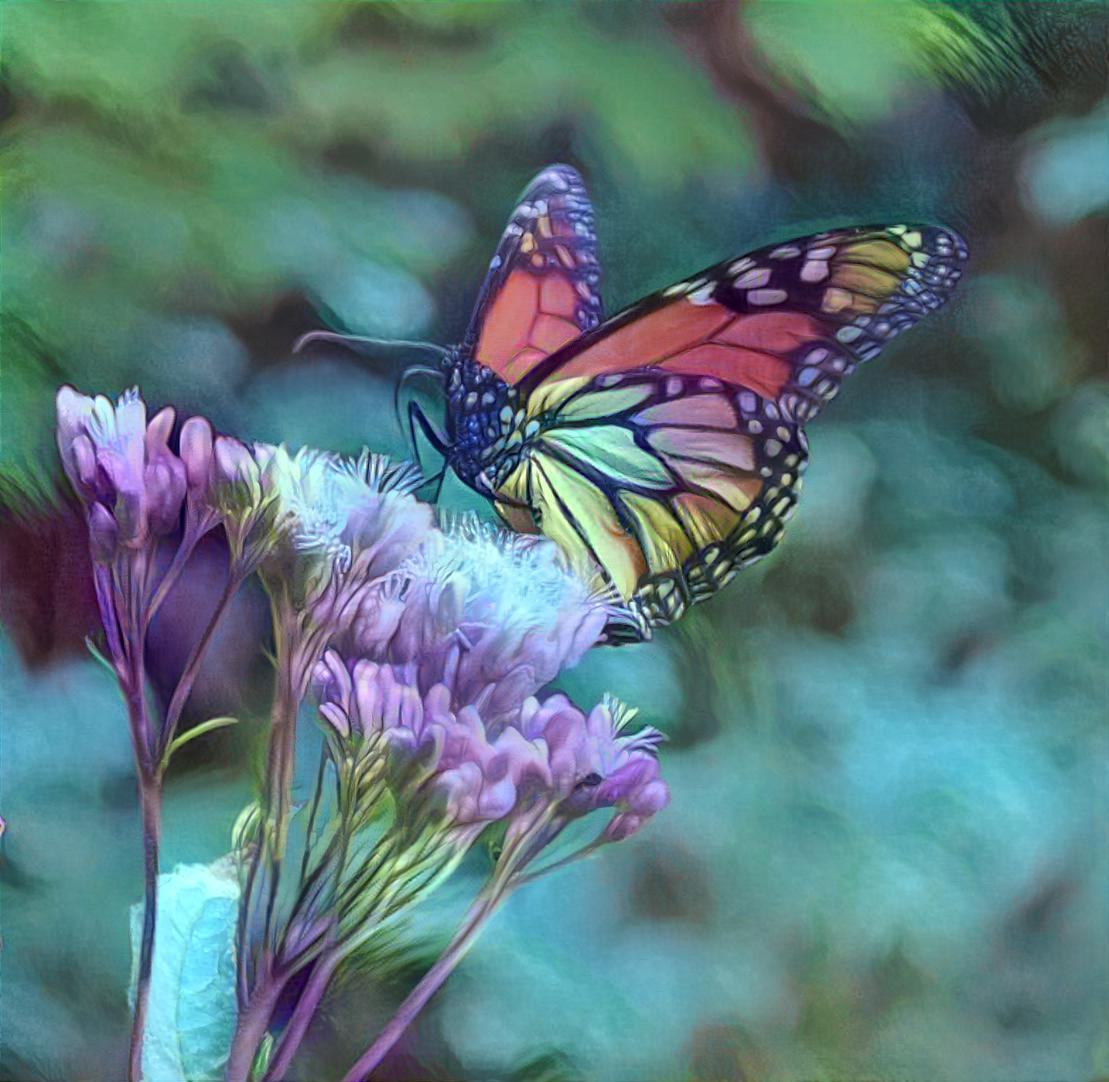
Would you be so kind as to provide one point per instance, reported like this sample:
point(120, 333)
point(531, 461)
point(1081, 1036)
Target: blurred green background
point(886, 855)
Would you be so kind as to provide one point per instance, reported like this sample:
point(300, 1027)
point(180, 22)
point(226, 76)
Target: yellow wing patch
point(579, 516)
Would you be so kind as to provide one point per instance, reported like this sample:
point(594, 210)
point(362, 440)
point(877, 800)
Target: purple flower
point(439, 762)
point(598, 762)
point(245, 498)
point(197, 450)
point(117, 461)
point(546, 752)
point(493, 616)
point(322, 527)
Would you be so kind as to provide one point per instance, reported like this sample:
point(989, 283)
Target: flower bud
point(196, 453)
point(640, 806)
point(165, 491)
point(84, 462)
point(103, 534)
point(158, 431)
point(73, 412)
point(651, 799)
point(235, 464)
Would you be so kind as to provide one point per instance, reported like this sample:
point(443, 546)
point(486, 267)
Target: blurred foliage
point(886, 855)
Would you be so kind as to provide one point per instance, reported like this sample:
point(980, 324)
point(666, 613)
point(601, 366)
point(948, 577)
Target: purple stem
point(254, 1021)
point(180, 558)
point(430, 983)
point(150, 795)
point(133, 685)
point(192, 666)
point(310, 998)
point(102, 580)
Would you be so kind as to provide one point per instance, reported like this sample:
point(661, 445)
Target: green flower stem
point(192, 665)
point(572, 858)
point(281, 757)
point(517, 854)
point(295, 653)
point(388, 905)
point(276, 801)
point(401, 859)
point(403, 867)
point(317, 797)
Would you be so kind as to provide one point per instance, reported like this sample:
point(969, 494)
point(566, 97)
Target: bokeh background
point(886, 853)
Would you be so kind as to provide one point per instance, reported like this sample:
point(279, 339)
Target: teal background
point(886, 852)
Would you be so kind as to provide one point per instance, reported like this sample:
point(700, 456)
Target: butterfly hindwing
point(668, 483)
point(543, 286)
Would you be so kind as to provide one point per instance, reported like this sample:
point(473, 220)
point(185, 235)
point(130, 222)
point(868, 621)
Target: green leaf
point(98, 655)
point(192, 987)
point(197, 730)
point(262, 1058)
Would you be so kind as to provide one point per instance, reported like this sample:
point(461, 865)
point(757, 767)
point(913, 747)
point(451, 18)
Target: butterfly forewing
point(787, 322)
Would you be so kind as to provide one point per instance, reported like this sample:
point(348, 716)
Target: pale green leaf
point(192, 989)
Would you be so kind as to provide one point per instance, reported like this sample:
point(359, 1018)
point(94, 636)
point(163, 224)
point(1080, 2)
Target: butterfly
point(664, 446)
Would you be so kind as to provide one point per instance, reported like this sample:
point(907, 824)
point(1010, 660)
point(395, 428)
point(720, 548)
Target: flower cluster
point(492, 616)
point(428, 646)
point(430, 696)
point(457, 767)
point(131, 483)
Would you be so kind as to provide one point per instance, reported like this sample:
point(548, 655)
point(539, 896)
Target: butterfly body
point(664, 447)
point(482, 416)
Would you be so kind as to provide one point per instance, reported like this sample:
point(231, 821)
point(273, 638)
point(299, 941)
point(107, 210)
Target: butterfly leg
point(416, 416)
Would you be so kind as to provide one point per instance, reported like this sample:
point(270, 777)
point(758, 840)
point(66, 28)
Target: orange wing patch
point(521, 330)
point(787, 323)
point(702, 339)
point(529, 318)
point(543, 286)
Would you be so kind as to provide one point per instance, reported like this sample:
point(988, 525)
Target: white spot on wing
point(815, 270)
point(766, 296)
point(753, 279)
point(703, 295)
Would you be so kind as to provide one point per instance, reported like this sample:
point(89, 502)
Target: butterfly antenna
point(361, 344)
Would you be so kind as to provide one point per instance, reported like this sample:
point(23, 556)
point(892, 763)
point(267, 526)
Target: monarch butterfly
point(665, 445)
